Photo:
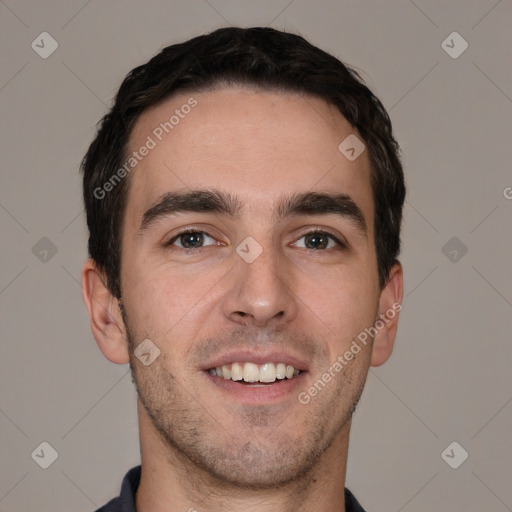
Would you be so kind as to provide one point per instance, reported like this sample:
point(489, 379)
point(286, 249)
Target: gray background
point(449, 378)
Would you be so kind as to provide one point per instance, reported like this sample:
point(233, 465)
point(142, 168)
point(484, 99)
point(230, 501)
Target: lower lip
point(264, 394)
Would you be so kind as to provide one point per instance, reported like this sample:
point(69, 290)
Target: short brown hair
point(263, 57)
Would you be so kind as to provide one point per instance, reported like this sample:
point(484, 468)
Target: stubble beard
point(266, 457)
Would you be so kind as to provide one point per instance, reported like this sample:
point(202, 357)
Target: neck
point(170, 482)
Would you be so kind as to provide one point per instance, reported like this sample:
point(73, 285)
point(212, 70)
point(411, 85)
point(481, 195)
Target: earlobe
point(106, 320)
point(390, 305)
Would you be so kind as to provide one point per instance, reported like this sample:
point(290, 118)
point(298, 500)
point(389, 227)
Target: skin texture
point(200, 447)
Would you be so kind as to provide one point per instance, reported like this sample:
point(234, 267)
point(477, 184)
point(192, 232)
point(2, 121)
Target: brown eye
point(319, 240)
point(191, 240)
point(316, 241)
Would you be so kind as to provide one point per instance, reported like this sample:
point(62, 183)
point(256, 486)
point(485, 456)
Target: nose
point(261, 292)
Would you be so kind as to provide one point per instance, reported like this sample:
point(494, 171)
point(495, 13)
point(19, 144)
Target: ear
point(105, 315)
point(390, 304)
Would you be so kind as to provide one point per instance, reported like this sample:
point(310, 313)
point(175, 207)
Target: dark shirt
point(126, 500)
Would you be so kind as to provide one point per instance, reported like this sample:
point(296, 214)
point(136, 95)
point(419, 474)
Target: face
point(266, 273)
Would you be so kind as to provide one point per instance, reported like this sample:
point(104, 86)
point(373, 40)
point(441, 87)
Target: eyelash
point(340, 244)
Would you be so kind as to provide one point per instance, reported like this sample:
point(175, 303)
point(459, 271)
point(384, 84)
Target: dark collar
point(126, 500)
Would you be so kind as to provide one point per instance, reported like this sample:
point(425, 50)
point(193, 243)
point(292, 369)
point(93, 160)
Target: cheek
point(162, 298)
point(343, 302)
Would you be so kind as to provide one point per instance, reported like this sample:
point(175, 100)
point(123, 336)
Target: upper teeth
point(251, 372)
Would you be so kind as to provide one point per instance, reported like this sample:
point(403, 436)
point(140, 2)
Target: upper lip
point(246, 356)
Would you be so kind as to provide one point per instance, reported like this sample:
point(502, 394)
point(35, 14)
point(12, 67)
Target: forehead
point(256, 144)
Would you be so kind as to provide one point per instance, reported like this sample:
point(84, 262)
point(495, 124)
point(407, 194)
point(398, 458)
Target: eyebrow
point(215, 201)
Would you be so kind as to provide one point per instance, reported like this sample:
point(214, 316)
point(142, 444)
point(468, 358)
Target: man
point(244, 199)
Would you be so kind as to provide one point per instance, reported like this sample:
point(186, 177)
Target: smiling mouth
point(255, 374)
